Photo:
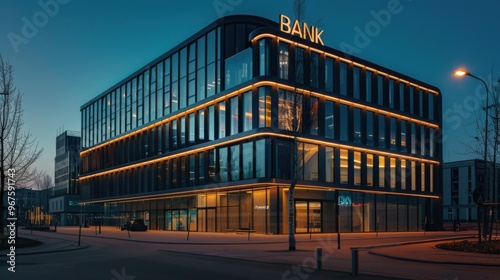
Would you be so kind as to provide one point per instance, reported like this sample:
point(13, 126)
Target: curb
point(420, 260)
point(189, 243)
point(84, 246)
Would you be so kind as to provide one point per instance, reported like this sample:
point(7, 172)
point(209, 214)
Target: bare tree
point(18, 149)
point(295, 115)
point(487, 137)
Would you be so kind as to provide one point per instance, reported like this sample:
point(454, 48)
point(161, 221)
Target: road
point(123, 260)
point(168, 255)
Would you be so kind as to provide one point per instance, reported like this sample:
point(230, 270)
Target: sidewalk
point(402, 247)
point(49, 244)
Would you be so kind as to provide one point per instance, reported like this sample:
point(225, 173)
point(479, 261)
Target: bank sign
point(311, 33)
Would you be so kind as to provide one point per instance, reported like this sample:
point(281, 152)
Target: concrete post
point(355, 261)
point(319, 258)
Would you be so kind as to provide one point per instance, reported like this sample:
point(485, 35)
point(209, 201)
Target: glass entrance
point(307, 216)
point(176, 219)
point(206, 220)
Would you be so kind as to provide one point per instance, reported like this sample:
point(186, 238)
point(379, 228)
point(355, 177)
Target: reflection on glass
point(299, 65)
point(403, 135)
point(393, 133)
point(344, 122)
point(313, 116)
point(393, 173)
point(310, 159)
point(381, 131)
point(283, 60)
point(211, 122)
point(343, 78)
point(329, 164)
point(422, 177)
point(234, 115)
point(413, 175)
point(357, 168)
point(402, 176)
point(288, 104)
point(223, 165)
point(239, 68)
point(201, 124)
point(191, 128)
point(369, 170)
point(183, 131)
point(222, 119)
point(264, 56)
point(314, 72)
point(264, 107)
point(329, 74)
point(301, 217)
point(247, 111)
point(344, 166)
point(381, 171)
point(329, 119)
point(355, 81)
point(369, 86)
point(201, 168)
point(247, 160)
point(235, 163)
point(260, 158)
point(357, 125)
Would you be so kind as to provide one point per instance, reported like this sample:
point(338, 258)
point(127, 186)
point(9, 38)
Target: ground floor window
point(265, 210)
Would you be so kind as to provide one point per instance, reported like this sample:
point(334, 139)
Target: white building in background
point(460, 179)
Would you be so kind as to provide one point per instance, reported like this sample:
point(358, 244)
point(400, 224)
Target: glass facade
point(218, 153)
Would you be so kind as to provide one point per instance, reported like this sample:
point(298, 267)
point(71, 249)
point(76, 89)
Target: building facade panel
point(217, 117)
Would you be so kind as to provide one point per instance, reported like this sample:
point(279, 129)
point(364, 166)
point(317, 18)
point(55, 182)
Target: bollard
point(355, 262)
point(79, 235)
point(319, 259)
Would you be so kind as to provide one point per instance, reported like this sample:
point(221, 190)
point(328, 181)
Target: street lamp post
point(461, 73)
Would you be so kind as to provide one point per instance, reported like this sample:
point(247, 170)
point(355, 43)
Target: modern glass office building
point(202, 138)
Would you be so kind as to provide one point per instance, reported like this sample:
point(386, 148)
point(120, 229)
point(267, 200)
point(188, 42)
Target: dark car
point(137, 225)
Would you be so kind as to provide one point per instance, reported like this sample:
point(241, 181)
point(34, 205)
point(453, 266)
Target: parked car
point(137, 225)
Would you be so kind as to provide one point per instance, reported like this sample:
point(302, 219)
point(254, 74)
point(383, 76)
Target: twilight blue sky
point(80, 48)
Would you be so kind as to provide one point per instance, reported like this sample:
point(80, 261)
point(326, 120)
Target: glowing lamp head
point(461, 72)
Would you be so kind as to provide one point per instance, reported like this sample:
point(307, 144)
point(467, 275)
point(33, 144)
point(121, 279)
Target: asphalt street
point(114, 254)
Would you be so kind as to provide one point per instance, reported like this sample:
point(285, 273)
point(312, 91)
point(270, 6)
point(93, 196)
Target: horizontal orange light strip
point(163, 121)
point(210, 147)
point(246, 89)
point(268, 35)
point(176, 194)
point(259, 186)
point(375, 191)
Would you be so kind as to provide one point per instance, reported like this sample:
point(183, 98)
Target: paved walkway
point(406, 246)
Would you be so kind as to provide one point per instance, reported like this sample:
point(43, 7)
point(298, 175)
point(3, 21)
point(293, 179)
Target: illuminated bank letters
point(311, 33)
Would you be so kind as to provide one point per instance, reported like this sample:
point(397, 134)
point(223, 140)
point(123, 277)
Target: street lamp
point(460, 73)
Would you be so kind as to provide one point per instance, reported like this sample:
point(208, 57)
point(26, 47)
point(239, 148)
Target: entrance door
point(211, 219)
point(206, 219)
point(202, 220)
point(314, 216)
point(307, 216)
point(301, 217)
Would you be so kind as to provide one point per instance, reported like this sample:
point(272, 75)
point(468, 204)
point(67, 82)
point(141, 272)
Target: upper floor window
point(329, 77)
point(314, 72)
point(284, 49)
point(289, 110)
point(299, 65)
point(264, 56)
point(239, 68)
